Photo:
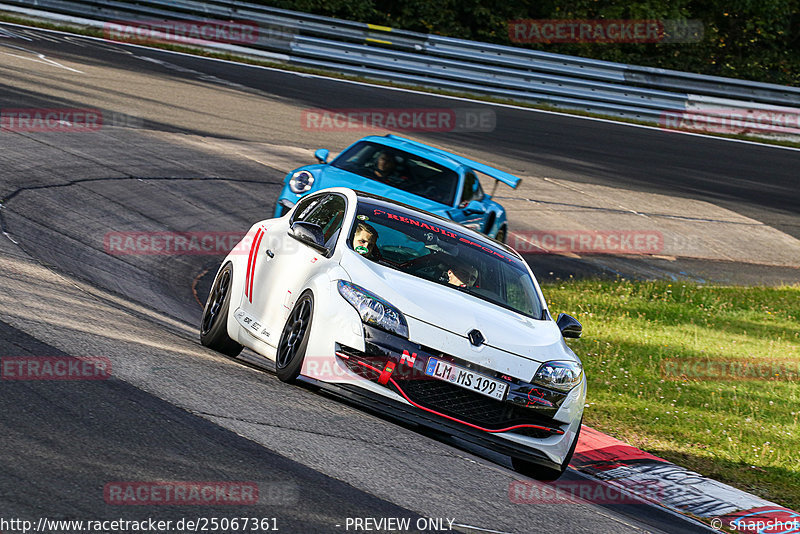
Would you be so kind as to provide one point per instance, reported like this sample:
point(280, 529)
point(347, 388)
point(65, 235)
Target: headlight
point(374, 310)
point(300, 182)
point(562, 376)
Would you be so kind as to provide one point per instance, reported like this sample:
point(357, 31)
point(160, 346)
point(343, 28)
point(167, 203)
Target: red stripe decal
point(255, 257)
point(403, 393)
point(250, 263)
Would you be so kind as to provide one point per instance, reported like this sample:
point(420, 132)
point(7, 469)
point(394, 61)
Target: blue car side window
point(472, 190)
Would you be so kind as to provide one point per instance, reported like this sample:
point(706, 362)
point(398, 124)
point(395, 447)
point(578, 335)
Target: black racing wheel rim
point(294, 332)
point(215, 300)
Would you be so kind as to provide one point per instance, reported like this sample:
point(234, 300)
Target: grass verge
point(252, 60)
point(638, 336)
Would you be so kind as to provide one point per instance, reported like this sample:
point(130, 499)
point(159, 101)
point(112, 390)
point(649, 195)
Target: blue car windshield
point(424, 247)
point(403, 170)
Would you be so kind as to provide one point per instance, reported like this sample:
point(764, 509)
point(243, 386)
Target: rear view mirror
point(309, 233)
point(322, 155)
point(474, 207)
point(569, 326)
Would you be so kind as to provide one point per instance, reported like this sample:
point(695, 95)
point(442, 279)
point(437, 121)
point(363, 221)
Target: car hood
point(328, 176)
point(457, 313)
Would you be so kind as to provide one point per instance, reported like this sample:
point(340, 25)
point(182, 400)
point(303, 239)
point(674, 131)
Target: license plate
point(462, 377)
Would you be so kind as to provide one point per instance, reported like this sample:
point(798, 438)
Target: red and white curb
point(679, 489)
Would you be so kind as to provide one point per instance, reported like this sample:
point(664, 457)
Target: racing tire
point(501, 235)
point(214, 324)
point(294, 339)
point(540, 472)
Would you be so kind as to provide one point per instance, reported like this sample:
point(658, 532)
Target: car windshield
point(423, 247)
point(400, 169)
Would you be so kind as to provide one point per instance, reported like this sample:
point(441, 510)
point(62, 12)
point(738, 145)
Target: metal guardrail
point(372, 51)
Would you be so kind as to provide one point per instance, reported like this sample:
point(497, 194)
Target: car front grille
point(473, 407)
point(447, 399)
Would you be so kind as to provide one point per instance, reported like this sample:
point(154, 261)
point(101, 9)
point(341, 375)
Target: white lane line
point(481, 529)
point(4, 33)
point(10, 238)
point(44, 60)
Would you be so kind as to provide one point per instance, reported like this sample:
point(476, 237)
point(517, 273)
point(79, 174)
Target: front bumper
point(399, 365)
point(405, 413)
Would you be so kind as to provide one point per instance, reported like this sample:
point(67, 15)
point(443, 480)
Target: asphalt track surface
point(176, 411)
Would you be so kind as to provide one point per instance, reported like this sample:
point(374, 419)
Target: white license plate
point(462, 377)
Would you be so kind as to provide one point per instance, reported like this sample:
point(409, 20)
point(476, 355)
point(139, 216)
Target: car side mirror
point(310, 234)
point(474, 207)
point(322, 155)
point(569, 326)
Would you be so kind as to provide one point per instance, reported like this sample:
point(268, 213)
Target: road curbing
point(681, 490)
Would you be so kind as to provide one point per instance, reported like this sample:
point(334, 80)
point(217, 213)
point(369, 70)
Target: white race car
point(410, 314)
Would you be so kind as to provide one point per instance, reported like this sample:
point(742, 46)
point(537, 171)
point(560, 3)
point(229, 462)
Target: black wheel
point(540, 472)
point(214, 326)
point(294, 339)
point(501, 235)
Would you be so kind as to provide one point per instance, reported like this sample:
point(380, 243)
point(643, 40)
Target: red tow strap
point(383, 379)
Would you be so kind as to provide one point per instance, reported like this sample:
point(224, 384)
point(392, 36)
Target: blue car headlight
point(559, 375)
point(374, 310)
point(300, 182)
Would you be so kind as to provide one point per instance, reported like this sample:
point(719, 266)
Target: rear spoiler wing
point(509, 179)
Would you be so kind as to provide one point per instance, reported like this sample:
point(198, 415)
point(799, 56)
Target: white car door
point(282, 265)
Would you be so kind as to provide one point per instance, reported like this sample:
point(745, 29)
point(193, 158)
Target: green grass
point(741, 432)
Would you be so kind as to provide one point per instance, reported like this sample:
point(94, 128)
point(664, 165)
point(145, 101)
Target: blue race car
point(410, 172)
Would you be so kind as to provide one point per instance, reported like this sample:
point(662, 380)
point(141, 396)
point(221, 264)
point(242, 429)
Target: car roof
point(449, 224)
point(434, 154)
